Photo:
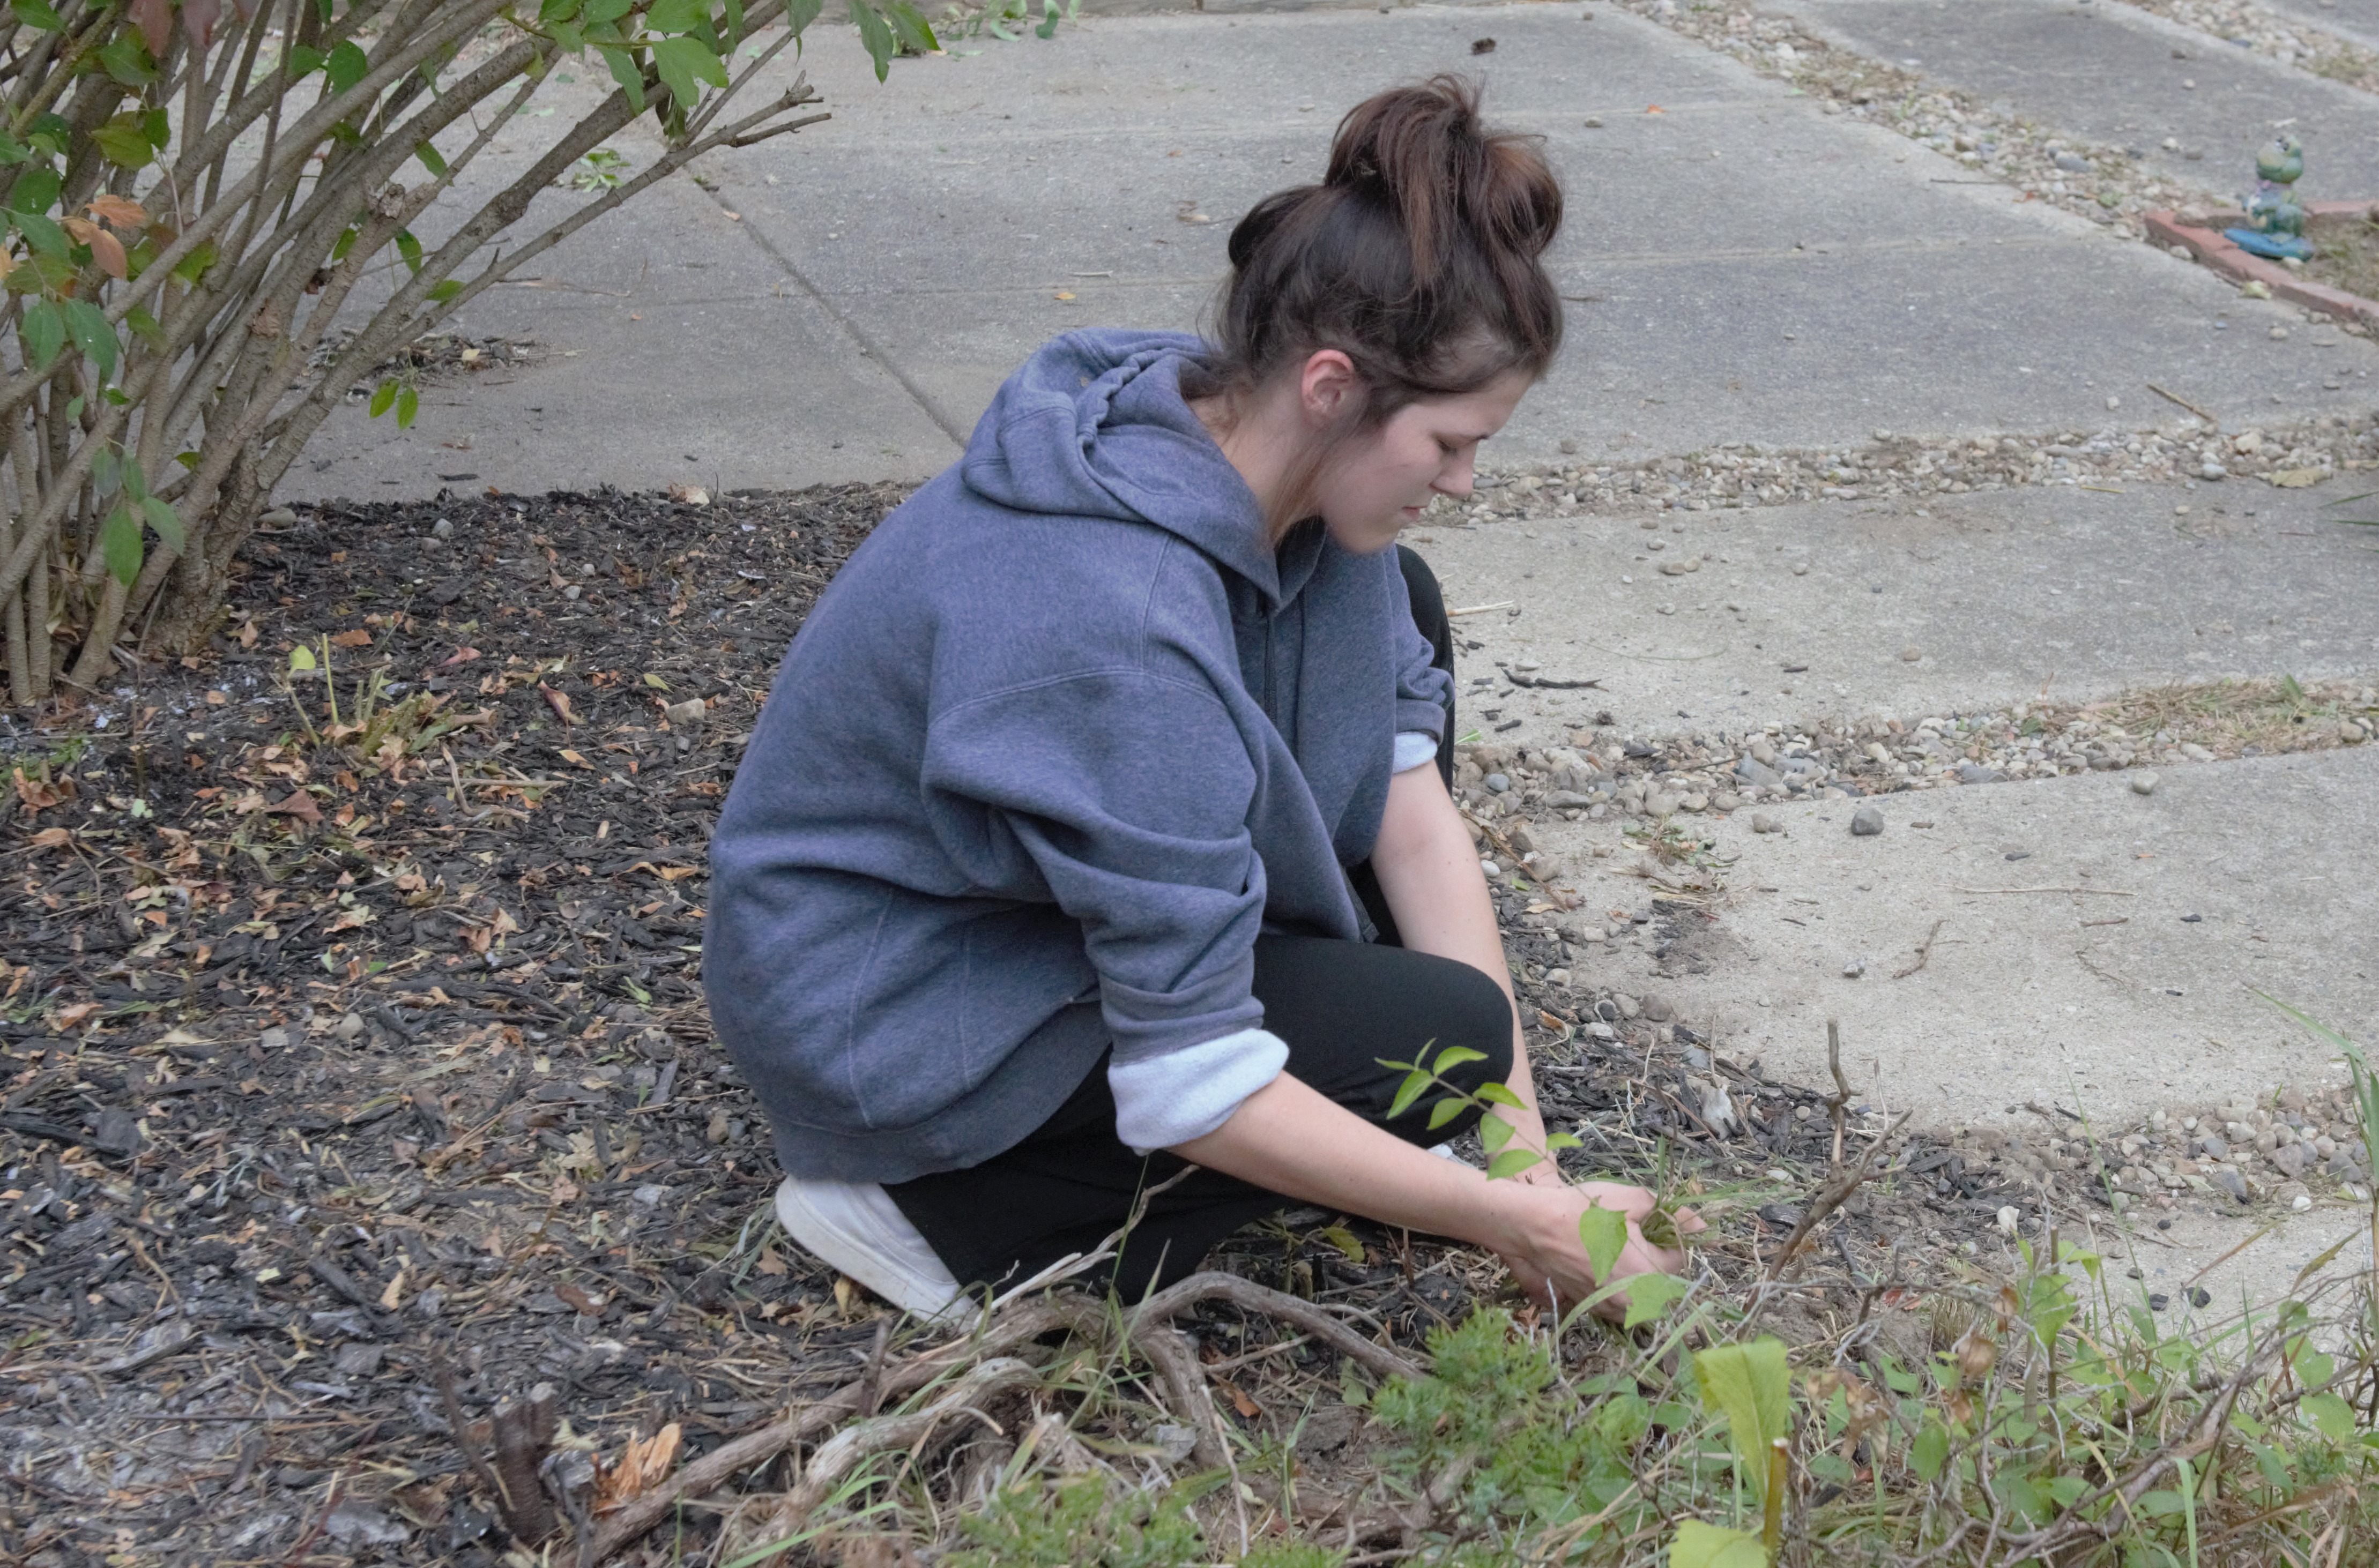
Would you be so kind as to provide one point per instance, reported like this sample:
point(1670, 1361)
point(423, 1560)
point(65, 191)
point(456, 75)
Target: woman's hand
point(1546, 1255)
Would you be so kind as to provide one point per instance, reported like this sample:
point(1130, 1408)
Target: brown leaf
point(299, 804)
point(199, 16)
point(643, 1463)
point(461, 656)
point(1246, 1407)
point(51, 838)
point(558, 703)
point(155, 20)
point(577, 1299)
point(121, 210)
point(354, 638)
point(40, 794)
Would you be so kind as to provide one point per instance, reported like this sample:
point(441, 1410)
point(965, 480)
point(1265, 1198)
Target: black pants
point(1341, 1007)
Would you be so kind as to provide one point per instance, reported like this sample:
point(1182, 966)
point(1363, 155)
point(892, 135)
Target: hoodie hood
point(1094, 426)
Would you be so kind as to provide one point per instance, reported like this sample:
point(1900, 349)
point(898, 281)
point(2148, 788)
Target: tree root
point(996, 1370)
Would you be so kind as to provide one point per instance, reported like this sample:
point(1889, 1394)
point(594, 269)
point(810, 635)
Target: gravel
point(1740, 474)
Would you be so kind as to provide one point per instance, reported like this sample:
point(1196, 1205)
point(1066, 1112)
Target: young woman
point(1092, 829)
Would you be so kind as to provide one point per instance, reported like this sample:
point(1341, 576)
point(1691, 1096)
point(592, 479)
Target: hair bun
point(1425, 149)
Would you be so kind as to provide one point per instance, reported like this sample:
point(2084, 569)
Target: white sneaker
point(856, 1227)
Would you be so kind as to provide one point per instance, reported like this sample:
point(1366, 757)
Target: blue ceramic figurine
point(2278, 219)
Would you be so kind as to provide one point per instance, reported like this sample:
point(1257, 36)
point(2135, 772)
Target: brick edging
point(2209, 245)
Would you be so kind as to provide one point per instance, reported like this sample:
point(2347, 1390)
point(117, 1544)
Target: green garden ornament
point(2278, 219)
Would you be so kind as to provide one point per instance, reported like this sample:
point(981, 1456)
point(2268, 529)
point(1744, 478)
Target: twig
point(314, 1531)
point(1839, 1100)
point(2101, 892)
point(1924, 951)
point(1478, 609)
point(881, 1434)
point(1831, 1197)
point(2175, 397)
point(1314, 1320)
point(455, 1424)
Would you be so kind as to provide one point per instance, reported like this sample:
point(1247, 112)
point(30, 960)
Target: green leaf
point(193, 266)
point(875, 37)
point(1456, 1055)
point(1930, 1451)
point(409, 248)
point(685, 62)
point(2162, 1503)
point(145, 326)
point(734, 22)
point(125, 59)
point(445, 290)
point(1500, 1094)
point(408, 404)
point(107, 469)
point(799, 14)
point(2332, 1416)
point(677, 16)
point(1494, 1132)
point(119, 545)
point(1604, 1232)
point(1344, 1240)
point(1751, 1386)
point(1410, 1090)
point(910, 26)
point(122, 141)
point(33, 13)
point(44, 334)
point(12, 152)
point(45, 238)
point(383, 399)
point(135, 483)
point(2067, 1490)
point(429, 158)
point(346, 66)
point(1511, 1163)
point(625, 72)
point(1708, 1546)
point(87, 323)
point(157, 127)
point(1048, 28)
point(1557, 1141)
point(302, 62)
point(1445, 1111)
point(568, 37)
point(553, 11)
point(164, 519)
point(301, 659)
point(1650, 1296)
point(597, 12)
point(36, 190)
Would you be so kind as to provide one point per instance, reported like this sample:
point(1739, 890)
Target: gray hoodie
point(1062, 731)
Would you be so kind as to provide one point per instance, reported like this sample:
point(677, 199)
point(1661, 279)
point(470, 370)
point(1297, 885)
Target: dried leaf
point(353, 918)
point(578, 1300)
point(51, 838)
point(689, 495)
point(354, 638)
point(643, 1463)
point(121, 210)
point(40, 794)
point(769, 1263)
point(557, 702)
point(1246, 1407)
point(298, 805)
point(394, 1296)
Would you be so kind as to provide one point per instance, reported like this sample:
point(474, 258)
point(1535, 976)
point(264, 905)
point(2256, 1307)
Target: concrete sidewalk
point(1743, 266)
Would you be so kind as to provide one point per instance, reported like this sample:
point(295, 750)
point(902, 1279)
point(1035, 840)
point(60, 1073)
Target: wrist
point(1524, 1219)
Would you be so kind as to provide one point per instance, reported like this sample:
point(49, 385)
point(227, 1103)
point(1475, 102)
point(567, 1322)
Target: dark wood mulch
point(334, 1058)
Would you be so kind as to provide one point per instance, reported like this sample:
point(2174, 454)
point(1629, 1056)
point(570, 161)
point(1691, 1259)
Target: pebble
point(1910, 656)
point(2280, 335)
point(1866, 822)
point(443, 528)
point(2231, 1182)
point(1497, 782)
point(687, 714)
point(1763, 823)
point(1800, 569)
point(2143, 783)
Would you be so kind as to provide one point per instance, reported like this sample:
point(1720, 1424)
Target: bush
point(193, 195)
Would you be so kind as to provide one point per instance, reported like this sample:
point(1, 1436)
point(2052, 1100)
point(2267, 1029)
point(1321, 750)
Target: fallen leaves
point(354, 638)
point(558, 702)
point(41, 791)
point(2296, 478)
point(298, 805)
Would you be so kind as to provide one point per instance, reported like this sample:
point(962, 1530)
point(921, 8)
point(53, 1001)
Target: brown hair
point(1418, 257)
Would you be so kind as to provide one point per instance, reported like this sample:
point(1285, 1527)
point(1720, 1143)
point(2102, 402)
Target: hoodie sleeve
point(1424, 693)
point(1128, 790)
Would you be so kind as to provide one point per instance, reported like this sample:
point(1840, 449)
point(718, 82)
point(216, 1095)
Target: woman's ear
point(1328, 387)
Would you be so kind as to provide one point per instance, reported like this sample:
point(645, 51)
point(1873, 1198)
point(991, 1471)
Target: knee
point(1479, 1018)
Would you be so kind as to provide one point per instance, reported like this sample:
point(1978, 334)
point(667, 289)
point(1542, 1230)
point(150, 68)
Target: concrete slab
point(2356, 21)
point(2005, 595)
point(671, 347)
point(2122, 76)
point(1916, 299)
point(2109, 1000)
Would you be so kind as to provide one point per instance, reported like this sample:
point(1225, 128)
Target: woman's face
point(1376, 487)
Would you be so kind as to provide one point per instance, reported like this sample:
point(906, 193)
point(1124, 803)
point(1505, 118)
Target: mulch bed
point(347, 1060)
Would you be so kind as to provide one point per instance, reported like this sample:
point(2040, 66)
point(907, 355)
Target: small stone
point(685, 715)
point(1498, 782)
point(1726, 799)
point(1866, 822)
point(1853, 969)
point(2231, 1182)
point(2072, 165)
point(358, 1360)
point(1674, 568)
point(2279, 333)
point(2114, 402)
point(1659, 1010)
point(2200, 1296)
point(1696, 802)
point(350, 1028)
point(2158, 1301)
point(1910, 656)
point(1593, 124)
point(2213, 1147)
point(2291, 1159)
point(1763, 823)
point(1975, 773)
point(443, 528)
point(2143, 783)
point(1800, 569)
point(1568, 446)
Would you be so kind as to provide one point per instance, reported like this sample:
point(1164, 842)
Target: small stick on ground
point(1924, 951)
point(2177, 398)
point(460, 1426)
